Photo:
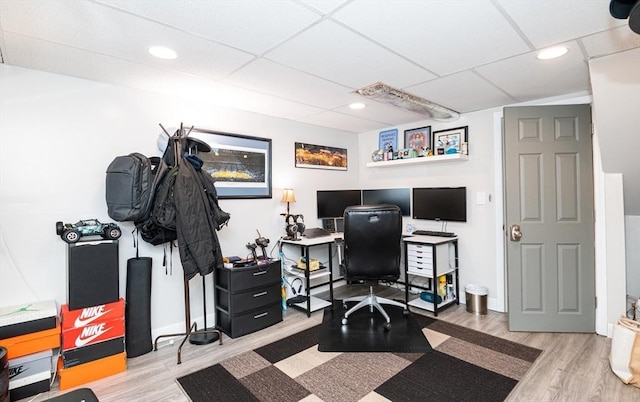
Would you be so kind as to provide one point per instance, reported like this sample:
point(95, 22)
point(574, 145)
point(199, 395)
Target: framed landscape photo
point(240, 164)
point(418, 139)
point(320, 157)
point(450, 141)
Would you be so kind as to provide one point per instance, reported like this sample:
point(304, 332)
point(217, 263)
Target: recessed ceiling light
point(552, 52)
point(163, 52)
point(357, 105)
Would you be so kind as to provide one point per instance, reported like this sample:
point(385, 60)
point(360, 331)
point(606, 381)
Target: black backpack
point(130, 185)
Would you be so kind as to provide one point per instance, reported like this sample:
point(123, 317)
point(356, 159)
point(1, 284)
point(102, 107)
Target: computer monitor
point(332, 203)
point(440, 203)
point(394, 196)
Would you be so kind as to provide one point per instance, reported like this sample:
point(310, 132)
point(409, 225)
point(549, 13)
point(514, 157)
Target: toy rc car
point(72, 232)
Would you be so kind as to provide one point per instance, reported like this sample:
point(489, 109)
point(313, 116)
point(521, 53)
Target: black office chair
point(372, 241)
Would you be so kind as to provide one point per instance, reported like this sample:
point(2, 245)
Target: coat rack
point(206, 335)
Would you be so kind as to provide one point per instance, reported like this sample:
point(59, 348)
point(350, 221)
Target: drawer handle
point(260, 315)
point(259, 294)
point(259, 273)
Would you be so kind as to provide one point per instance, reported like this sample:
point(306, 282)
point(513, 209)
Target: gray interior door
point(549, 218)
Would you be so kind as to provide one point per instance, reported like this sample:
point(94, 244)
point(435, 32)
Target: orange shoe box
point(34, 342)
point(92, 371)
point(91, 315)
point(92, 333)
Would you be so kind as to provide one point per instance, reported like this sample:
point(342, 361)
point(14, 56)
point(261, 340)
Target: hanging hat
point(620, 9)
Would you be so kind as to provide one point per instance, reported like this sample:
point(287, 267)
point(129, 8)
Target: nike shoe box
point(26, 318)
point(30, 375)
point(92, 333)
point(92, 371)
point(33, 342)
point(90, 353)
point(91, 315)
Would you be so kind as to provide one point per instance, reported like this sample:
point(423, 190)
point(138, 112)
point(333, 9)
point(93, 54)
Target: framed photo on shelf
point(388, 140)
point(320, 157)
point(240, 164)
point(418, 139)
point(451, 141)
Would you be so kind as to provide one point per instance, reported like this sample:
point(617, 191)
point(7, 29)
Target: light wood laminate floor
point(573, 367)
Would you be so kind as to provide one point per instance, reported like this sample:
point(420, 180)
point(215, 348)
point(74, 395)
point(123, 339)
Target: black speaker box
point(137, 312)
point(92, 274)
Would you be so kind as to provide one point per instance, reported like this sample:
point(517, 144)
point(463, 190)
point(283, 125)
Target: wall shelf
point(421, 160)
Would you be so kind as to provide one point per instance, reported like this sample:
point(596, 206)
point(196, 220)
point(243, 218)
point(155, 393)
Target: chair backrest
point(372, 242)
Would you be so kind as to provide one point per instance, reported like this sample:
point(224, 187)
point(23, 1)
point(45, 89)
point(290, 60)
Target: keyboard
point(312, 233)
point(433, 233)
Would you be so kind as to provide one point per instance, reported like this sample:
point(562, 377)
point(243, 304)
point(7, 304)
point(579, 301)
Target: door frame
point(500, 228)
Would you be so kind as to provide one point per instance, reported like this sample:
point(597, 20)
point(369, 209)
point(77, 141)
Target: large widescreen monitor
point(331, 203)
point(440, 203)
point(394, 196)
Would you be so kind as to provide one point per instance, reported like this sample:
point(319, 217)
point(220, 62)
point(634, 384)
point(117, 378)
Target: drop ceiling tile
point(524, 80)
point(119, 34)
point(253, 26)
point(325, 6)
point(275, 79)
point(53, 58)
point(341, 122)
point(612, 41)
point(381, 112)
point(463, 92)
point(548, 23)
point(442, 36)
point(335, 53)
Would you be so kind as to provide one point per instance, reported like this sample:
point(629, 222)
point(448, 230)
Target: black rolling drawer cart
point(248, 299)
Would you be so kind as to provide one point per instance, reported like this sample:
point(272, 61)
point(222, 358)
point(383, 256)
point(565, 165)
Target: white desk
point(312, 303)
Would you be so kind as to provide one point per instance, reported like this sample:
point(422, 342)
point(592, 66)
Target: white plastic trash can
point(476, 297)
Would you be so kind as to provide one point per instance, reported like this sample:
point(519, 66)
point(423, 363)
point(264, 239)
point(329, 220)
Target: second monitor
point(394, 196)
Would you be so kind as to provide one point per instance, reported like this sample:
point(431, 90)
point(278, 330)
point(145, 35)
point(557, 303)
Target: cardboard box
point(91, 334)
point(29, 375)
point(95, 370)
point(91, 315)
point(86, 354)
point(26, 318)
point(34, 342)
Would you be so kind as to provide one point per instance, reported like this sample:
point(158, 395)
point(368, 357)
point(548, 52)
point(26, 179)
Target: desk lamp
point(288, 197)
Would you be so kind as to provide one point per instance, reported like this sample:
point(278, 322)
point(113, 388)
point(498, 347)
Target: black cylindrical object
point(137, 313)
point(4, 375)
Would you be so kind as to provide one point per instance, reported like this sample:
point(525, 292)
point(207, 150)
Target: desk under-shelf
point(311, 303)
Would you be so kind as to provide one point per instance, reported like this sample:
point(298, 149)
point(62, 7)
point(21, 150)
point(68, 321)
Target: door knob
point(515, 233)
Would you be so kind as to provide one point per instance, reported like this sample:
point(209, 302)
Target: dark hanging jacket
point(198, 217)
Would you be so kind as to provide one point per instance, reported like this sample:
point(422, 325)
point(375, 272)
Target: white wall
point(615, 80)
point(57, 136)
point(478, 243)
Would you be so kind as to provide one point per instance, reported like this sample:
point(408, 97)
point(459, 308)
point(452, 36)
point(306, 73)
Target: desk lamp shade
point(288, 197)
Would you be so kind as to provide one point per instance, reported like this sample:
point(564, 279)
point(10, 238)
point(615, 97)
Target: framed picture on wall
point(320, 157)
point(451, 141)
point(240, 164)
point(388, 140)
point(418, 139)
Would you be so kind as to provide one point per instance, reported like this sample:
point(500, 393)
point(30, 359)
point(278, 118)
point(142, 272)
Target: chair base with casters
point(371, 301)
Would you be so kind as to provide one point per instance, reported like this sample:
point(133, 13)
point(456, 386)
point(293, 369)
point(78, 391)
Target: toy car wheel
point(71, 236)
point(113, 233)
point(59, 228)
